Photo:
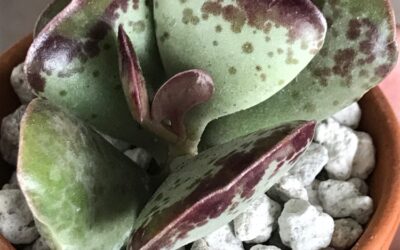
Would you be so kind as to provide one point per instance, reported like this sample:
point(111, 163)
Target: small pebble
point(263, 247)
point(364, 160)
point(140, 156)
point(289, 187)
point(16, 220)
point(20, 84)
point(349, 116)
point(347, 232)
point(310, 164)
point(223, 238)
point(256, 224)
point(302, 226)
point(312, 193)
point(342, 199)
point(39, 244)
point(12, 183)
point(9, 138)
point(360, 184)
point(342, 144)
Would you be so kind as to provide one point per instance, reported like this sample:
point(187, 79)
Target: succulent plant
point(160, 73)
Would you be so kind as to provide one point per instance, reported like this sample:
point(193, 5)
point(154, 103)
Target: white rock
point(349, 116)
point(310, 164)
point(289, 187)
point(302, 226)
point(360, 184)
point(364, 160)
point(312, 193)
point(221, 239)
point(117, 143)
point(256, 224)
point(39, 244)
point(140, 156)
point(9, 137)
point(263, 247)
point(20, 84)
point(347, 232)
point(342, 144)
point(16, 220)
point(12, 183)
point(342, 199)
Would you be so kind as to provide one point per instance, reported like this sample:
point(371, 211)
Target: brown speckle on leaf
point(344, 62)
point(232, 70)
point(247, 48)
point(218, 28)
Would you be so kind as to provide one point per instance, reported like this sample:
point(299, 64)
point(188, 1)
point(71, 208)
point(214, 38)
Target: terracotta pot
point(379, 120)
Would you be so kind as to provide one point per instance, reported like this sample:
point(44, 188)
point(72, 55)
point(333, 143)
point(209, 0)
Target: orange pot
point(379, 120)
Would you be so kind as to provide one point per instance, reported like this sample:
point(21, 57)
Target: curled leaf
point(206, 192)
point(133, 82)
point(179, 95)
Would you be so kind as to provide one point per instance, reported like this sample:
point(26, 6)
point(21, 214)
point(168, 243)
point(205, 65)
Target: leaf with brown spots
point(359, 51)
point(76, 55)
point(83, 192)
point(229, 39)
point(206, 192)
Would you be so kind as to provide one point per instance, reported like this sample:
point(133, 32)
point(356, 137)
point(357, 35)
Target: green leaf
point(251, 49)
point(83, 193)
point(206, 192)
point(73, 63)
point(359, 51)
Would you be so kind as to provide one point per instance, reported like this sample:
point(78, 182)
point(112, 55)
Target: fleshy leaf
point(252, 49)
point(133, 82)
point(73, 63)
point(179, 95)
point(360, 50)
point(83, 193)
point(52, 9)
point(206, 192)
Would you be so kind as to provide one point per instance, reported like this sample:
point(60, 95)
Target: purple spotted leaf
point(359, 51)
point(73, 63)
point(252, 49)
point(206, 192)
point(133, 82)
point(52, 9)
point(179, 95)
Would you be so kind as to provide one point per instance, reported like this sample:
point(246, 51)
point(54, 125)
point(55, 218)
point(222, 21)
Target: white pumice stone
point(312, 193)
point(361, 185)
point(349, 116)
point(302, 226)
point(310, 164)
point(263, 247)
point(223, 238)
point(39, 244)
point(347, 232)
point(364, 160)
point(140, 156)
point(289, 187)
point(117, 143)
point(9, 137)
point(20, 84)
point(12, 183)
point(16, 220)
point(342, 144)
point(256, 224)
point(342, 199)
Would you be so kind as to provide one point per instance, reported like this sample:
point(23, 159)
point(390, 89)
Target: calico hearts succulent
point(212, 88)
